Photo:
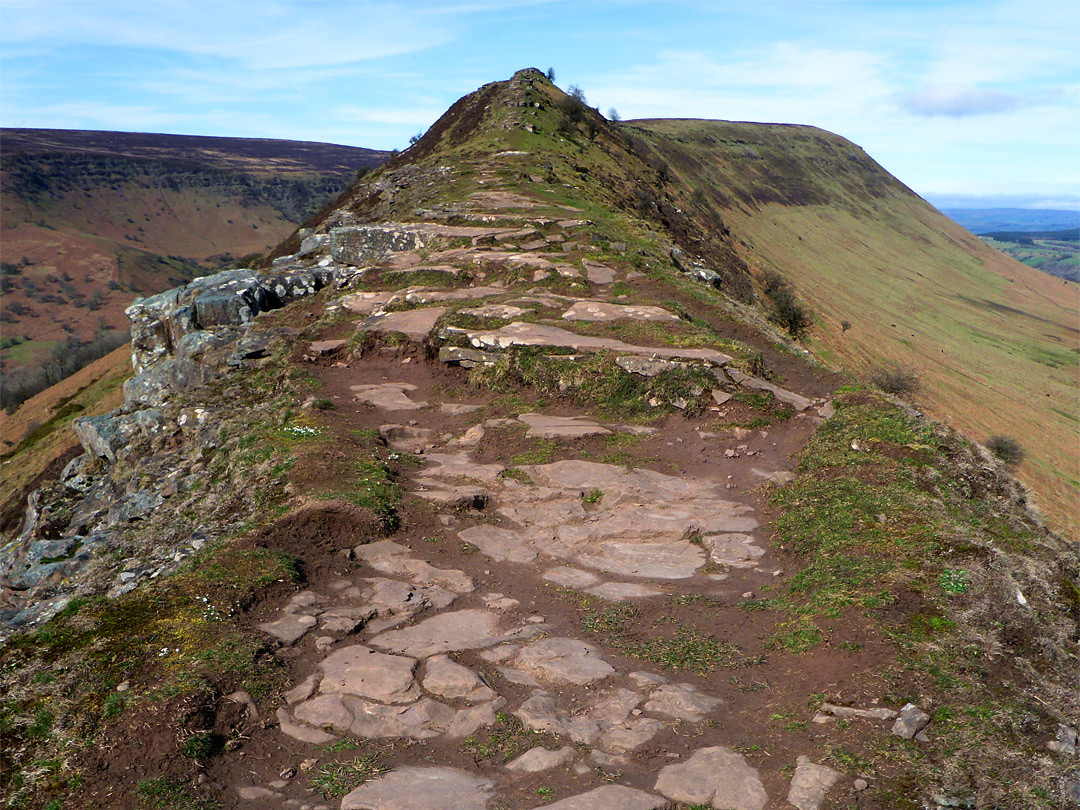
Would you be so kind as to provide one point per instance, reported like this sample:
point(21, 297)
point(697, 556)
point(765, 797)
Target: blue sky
point(966, 102)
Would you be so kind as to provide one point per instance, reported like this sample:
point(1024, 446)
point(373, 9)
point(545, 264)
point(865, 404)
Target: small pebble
point(861, 784)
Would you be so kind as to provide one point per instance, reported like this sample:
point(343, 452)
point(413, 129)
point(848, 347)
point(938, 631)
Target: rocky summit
point(494, 489)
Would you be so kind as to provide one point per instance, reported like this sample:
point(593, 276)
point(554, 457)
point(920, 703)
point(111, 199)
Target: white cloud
point(959, 101)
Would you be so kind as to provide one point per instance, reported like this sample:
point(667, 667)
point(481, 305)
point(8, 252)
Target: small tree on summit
point(613, 115)
point(551, 74)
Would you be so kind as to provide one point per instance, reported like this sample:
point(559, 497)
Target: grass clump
point(201, 745)
point(373, 487)
point(335, 779)
point(517, 474)
point(597, 383)
point(160, 793)
point(506, 739)
point(688, 649)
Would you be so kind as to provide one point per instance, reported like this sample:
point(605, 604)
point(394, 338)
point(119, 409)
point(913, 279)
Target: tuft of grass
point(597, 383)
point(503, 741)
point(517, 474)
point(688, 649)
point(201, 745)
point(796, 636)
point(335, 779)
point(373, 488)
point(160, 793)
point(542, 452)
point(953, 580)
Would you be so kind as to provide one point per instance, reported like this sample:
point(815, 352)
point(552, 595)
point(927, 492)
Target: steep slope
point(92, 219)
point(993, 342)
point(499, 504)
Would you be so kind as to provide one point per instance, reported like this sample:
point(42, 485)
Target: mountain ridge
point(503, 483)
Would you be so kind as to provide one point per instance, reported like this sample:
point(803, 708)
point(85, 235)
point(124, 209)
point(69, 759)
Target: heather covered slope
point(993, 342)
point(92, 219)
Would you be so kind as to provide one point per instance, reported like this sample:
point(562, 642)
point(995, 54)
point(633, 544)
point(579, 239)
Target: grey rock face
point(103, 436)
point(366, 244)
point(315, 243)
point(182, 326)
point(135, 506)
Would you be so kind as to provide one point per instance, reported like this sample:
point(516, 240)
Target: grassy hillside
point(993, 342)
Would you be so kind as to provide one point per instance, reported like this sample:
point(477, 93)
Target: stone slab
point(733, 549)
point(716, 776)
point(416, 323)
point(540, 759)
point(550, 427)
point(674, 560)
point(621, 591)
point(359, 670)
point(519, 333)
point(562, 661)
point(603, 311)
point(419, 788)
point(682, 702)
point(449, 679)
point(809, 784)
point(387, 396)
point(468, 629)
point(611, 797)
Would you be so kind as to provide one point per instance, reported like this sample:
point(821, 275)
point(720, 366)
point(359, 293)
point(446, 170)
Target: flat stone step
point(603, 311)
point(531, 334)
point(415, 323)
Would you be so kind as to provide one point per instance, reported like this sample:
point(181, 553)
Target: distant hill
point(983, 220)
point(93, 219)
point(1067, 235)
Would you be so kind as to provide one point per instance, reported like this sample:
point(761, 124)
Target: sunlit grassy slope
point(995, 343)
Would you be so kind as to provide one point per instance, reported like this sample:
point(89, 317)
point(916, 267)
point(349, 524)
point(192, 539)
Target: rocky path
point(469, 629)
point(604, 530)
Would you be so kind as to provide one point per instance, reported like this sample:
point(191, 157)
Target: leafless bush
point(1006, 448)
point(898, 380)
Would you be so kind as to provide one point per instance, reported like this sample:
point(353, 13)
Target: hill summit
point(508, 483)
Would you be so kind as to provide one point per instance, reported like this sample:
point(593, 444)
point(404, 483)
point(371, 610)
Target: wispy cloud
point(958, 101)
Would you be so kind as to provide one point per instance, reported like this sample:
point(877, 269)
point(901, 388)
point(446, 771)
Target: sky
point(971, 103)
